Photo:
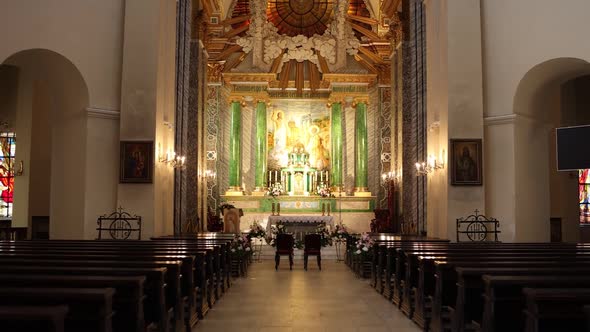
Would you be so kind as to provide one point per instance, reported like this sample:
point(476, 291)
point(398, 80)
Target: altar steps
point(268, 253)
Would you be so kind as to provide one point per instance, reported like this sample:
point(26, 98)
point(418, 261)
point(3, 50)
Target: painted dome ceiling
point(300, 17)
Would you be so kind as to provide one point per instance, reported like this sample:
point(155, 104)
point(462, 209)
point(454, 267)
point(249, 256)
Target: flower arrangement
point(240, 245)
point(325, 234)
point(324, 191)
point(364, 245)
point(339, 233)
point(275, 190)
point(256, 231)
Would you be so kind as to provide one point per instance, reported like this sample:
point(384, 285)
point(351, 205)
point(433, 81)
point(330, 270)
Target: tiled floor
point(330, 300)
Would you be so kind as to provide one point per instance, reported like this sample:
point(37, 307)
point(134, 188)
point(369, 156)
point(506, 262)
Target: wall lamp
point(432, 164)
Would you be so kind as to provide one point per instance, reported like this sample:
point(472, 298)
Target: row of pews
point(166, 285)
point(445, 286)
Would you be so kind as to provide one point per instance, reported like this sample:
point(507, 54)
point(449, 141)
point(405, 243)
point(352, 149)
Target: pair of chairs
point(285, 242)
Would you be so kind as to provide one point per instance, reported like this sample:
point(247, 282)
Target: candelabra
point(425, 168)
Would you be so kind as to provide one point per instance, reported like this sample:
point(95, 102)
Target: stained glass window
point(7, 150)
point(584, 191)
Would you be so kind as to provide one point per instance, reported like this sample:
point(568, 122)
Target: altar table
point(299, 220)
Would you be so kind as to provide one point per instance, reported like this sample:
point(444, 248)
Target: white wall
point(147, 101)
point(455, 100)
point(516, 38)
point(89, 33)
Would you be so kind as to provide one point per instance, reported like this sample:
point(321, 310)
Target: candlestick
point(323, 209)
point(329, 207)
point(269, 179)
point(278, 209)
point(273, 208)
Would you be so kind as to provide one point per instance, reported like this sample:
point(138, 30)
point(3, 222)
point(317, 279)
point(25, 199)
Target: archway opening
point(47, 112)
point(550, 95)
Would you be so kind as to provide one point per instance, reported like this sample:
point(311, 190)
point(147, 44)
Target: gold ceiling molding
point(252, 78)
point(351, 78)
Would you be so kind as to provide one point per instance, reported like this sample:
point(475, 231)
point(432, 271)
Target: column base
point(362, 192)
point(234, 191)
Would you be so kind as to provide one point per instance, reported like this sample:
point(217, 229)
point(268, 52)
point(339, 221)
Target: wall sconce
point(210, 175)
point(432, 164)
point(176, 161)
point(389, 177)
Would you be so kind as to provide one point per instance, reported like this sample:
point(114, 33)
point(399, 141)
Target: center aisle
point(329, 300)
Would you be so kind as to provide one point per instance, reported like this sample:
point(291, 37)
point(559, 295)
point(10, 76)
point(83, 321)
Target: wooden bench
point(154, 305)
point(127, 301)
point(90, 309)
point(555, 309)
point(505, 301)
point(33, 318)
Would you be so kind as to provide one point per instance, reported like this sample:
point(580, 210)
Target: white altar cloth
point(299, 219)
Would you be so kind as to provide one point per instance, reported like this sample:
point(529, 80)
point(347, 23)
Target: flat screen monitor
point(572, 151)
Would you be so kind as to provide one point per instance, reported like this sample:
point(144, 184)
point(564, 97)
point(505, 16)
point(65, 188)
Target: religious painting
point(466, 164)
point(298, 134)
point(136, 161)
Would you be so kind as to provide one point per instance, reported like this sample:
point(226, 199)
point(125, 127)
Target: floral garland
point(256, 231)
point(298, 47)
point(339, 233)
point(364, 245)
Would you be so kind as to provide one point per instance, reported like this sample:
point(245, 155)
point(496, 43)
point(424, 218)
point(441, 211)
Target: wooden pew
point(174, 304)
point(202, 266)
point(555, 309)
point(127, 301)
point(33, 318)
point(155, 304)
point(90, 309)
point(505, 301)
point(450, 298)
point(425, 290)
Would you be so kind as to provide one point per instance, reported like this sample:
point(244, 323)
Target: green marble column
point(337, 140)
point(361, 149)
point(235, 151)
point(260, 175)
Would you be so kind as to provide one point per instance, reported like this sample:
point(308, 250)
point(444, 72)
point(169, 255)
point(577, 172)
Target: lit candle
point(321, 176)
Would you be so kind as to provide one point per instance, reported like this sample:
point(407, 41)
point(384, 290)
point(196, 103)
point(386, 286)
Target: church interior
point(165, 165)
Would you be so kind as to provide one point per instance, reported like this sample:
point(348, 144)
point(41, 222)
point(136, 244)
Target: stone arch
point(537, 111)
point(50, 124)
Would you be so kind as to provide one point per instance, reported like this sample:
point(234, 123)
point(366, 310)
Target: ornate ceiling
point(225, 36)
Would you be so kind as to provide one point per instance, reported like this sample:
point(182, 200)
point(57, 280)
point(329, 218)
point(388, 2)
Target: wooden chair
point(313, 246)
point(284, 247)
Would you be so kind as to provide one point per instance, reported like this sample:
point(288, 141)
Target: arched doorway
point(547, 97)
point(47, 112)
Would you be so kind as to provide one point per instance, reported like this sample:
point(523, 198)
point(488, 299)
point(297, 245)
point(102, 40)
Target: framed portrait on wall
point(466, 162)
point(136, 162)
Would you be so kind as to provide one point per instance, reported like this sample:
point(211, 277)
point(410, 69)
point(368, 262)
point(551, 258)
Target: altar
point(299, 225)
